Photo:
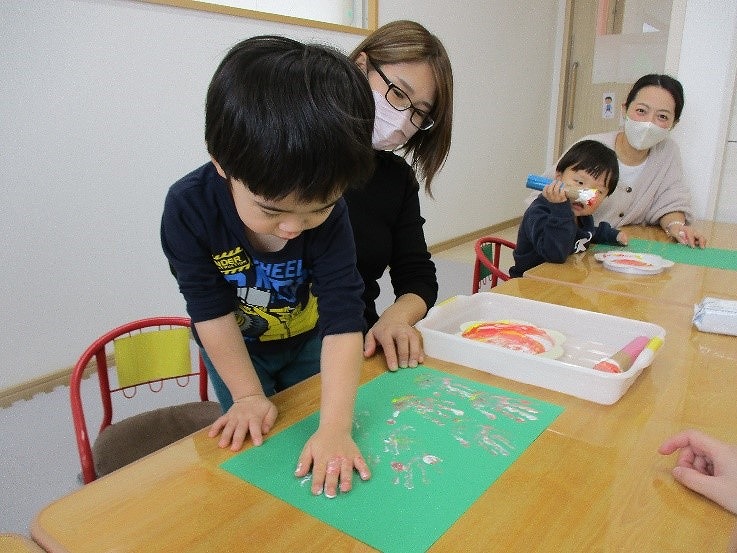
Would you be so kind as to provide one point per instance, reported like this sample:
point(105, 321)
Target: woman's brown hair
point(408, 42)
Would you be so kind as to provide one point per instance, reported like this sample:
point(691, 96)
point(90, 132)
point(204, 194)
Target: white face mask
point(392, 128)
point(643, 135)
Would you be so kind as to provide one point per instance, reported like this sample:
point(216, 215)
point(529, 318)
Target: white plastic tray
point(590, 337)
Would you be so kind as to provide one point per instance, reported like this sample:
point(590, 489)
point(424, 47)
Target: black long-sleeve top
point(388, 231)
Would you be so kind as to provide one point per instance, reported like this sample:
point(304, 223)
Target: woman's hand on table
point(685, 234)
point(622, 238)
point(332, 456)
point(690, 237)
point(706, 465)
point(396, 335)
point(254, 415)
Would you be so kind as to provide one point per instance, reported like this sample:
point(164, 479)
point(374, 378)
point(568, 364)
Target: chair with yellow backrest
point(140, 354)
point(488, 257)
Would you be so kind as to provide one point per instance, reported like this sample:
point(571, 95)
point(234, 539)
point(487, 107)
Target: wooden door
point(587, 107)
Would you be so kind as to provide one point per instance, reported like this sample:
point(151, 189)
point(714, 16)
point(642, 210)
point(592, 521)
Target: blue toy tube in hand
point(586, 195)
point(536, 182)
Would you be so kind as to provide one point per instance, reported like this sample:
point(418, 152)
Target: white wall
point(726, 206)
point(706, 68)
point(102, 109)
point(502, 54)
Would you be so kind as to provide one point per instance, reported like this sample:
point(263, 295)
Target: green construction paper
point(434, 442)
point(678, 253)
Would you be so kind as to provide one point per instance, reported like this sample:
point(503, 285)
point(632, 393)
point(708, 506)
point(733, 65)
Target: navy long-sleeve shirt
point(276, 296)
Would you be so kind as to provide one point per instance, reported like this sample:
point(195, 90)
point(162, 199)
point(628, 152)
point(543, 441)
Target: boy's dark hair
point(595, 158)
point(285, 117)
point(666, 82)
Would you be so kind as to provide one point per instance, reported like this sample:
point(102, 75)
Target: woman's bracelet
point(667, 227)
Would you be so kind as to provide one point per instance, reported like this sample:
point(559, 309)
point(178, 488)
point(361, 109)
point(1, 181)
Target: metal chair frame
point(97, 350)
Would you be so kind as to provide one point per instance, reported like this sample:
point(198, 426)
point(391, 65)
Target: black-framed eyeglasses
point(399, 100)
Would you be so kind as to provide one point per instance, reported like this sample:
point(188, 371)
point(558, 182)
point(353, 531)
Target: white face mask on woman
point(643, 135)
point(392, 128)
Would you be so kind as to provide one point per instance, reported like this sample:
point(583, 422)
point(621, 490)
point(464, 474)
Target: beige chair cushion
point(135, 437)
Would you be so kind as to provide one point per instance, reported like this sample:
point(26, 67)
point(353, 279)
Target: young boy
point(260, 243)
point(553, 227)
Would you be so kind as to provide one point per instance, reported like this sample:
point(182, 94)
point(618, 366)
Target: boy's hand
point(554, 192)
point(332, 456)
point(254, 415)
point(622, 238)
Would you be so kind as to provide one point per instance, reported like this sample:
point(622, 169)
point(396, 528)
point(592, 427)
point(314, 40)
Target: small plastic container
point(589, 338)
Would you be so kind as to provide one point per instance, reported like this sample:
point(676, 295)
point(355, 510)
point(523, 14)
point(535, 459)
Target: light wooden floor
point(465, 252)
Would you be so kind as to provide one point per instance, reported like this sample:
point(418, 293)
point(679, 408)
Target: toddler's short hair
point(290, 118)
point(595, 158)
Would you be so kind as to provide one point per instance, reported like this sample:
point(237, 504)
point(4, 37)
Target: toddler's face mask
point(643, 135)
point(392, 128)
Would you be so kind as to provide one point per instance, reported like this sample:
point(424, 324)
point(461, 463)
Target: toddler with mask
point(410, 76)
point(651, 188)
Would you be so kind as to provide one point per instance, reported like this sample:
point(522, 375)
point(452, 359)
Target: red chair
point(486, 266)
point(143, 353)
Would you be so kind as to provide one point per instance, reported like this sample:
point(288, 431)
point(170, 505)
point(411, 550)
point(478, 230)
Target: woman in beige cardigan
point(651, 189)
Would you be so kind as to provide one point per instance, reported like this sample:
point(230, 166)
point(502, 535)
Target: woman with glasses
point(412, 82)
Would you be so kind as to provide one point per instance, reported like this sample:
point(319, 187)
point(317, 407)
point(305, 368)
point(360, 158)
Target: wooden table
point(592, 482)
point(15, 543)
point(682, 284)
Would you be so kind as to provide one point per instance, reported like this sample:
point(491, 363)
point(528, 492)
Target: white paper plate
point(516, 335)
point(633, 262)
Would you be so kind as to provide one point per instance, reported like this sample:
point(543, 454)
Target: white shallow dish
point(633, 263)
point(590, 337)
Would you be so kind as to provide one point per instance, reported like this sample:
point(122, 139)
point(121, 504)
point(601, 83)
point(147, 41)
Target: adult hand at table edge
point(254, 415)
point(706, 465)
point(689, 236)
point(396, 335)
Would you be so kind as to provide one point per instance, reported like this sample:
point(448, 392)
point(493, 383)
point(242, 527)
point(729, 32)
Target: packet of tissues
point(716, 315)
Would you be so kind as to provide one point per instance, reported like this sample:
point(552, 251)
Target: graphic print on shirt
point(581, 243)
point(274, 299)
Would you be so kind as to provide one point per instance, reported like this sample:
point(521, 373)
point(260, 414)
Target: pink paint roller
point(646, 357)
point(583, 195)
point(623, 359)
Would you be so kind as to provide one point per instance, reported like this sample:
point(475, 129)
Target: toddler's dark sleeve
point(605, 234)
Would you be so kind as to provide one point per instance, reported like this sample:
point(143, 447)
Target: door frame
point(562, 73)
